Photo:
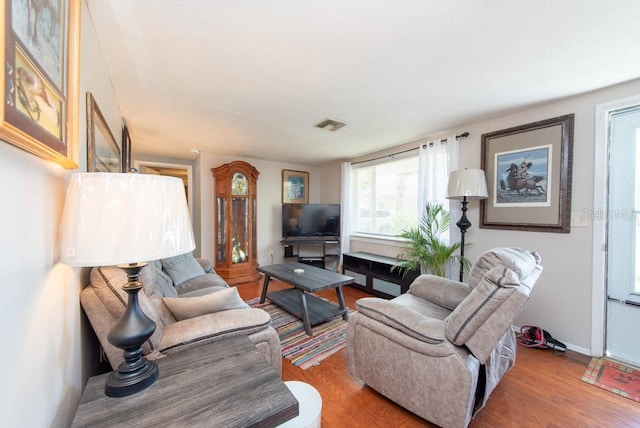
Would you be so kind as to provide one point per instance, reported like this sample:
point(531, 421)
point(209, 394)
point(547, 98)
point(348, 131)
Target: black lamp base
point(134, 328)
point(122, 383)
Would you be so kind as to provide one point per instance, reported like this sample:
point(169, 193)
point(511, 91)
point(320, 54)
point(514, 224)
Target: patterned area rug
point(614, 377)
point(300, 349)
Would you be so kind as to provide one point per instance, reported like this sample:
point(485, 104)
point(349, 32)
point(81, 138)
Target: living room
point(46, 362)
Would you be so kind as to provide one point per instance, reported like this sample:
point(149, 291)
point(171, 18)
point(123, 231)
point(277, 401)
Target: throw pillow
point(184, 308)
point(182, 268)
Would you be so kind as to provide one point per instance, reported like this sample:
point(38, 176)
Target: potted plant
point(425, 251)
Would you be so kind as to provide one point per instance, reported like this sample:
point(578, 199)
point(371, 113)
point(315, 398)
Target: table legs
point(302, 297)
point(343, 306)
point(265, 285)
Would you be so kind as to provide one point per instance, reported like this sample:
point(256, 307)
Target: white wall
point(42, 360)
point(561, 301)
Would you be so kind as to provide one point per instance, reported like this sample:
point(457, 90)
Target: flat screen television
point(310, 220)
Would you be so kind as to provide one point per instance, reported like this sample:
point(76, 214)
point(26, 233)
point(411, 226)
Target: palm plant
point(425, 250)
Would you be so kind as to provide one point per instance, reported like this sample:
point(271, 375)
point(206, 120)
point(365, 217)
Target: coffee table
point(307, 307)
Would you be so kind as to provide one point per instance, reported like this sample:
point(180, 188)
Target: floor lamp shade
point(126, 220)
point(467, 183)
point(112, 219)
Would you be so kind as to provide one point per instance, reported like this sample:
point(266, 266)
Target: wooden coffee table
point(310, 309)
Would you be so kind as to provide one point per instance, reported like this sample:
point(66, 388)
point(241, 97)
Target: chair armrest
point(441, 291)
point(224, 323)
point(402, 318)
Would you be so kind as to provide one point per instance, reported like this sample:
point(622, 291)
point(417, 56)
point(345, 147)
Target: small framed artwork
point(126, 149)
point(295, 187)
point(103, 153)
point(40, 78)
point(528, 172)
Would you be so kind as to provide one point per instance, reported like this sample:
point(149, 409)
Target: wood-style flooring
point(542, 390)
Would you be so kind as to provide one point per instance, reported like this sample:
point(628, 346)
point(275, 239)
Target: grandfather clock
point(236, 247)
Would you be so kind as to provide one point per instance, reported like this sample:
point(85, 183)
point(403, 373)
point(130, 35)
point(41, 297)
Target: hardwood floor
point(542, 390)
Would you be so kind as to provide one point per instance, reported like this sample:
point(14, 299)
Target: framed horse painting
point(528, 172)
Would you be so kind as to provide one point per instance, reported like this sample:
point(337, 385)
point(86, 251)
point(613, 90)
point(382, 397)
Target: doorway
point(183, 172)
point(620, 226)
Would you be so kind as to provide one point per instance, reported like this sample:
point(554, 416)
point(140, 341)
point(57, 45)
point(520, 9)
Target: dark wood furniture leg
point(305, 311)
point(265, 285)
point(343, 306)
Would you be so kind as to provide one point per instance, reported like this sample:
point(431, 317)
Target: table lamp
point(126, 220)
point(465, 185)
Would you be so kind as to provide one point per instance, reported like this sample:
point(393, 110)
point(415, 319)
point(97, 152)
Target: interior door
point(623, 236)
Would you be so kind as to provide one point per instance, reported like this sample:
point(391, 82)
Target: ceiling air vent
point(330, 125)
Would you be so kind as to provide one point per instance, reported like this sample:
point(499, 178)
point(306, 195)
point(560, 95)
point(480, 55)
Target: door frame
point(601, 176)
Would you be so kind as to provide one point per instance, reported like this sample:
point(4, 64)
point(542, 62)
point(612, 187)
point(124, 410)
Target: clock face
point(239, 184)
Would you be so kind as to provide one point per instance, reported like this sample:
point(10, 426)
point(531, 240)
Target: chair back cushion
point(522, 262)
point(487, 313)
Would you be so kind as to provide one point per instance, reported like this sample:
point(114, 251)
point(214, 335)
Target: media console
point(372, 273)
point(322, 252)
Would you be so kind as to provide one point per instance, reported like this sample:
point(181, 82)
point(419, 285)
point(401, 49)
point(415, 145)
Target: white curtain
point(345, 209)
point(436, 160)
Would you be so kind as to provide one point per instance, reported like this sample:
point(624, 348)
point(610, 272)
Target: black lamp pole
point(463, 224)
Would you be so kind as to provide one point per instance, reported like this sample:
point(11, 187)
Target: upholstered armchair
point(440, 349)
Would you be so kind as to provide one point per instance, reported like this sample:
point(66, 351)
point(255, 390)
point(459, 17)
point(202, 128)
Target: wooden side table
point(227, 383)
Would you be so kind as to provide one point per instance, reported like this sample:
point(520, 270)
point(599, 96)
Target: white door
point(623, 236)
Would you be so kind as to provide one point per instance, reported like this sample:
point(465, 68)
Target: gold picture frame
point(40, 78)
point(528, 170)
point(295, 187)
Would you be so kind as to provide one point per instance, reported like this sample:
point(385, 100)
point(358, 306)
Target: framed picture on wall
point(528, 172)
point(103, 153)
point(126, 149)
point(40, 78)
point(295, 187)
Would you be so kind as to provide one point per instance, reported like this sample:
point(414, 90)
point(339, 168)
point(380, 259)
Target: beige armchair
point(203, 308)
point(440, 349)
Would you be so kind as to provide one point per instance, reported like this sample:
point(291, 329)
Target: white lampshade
point(110, 219)
point(467, 183)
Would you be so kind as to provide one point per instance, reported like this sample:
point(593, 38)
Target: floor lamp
point(126, 220)
point(466, 185)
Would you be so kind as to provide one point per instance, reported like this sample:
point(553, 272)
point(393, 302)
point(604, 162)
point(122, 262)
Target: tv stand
point(319, 251)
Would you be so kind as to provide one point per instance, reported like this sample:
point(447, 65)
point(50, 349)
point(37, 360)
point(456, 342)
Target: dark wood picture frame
point(126, 149)
point(40, 79)
point(528, 171)
point(295, 187)
point(103, 153)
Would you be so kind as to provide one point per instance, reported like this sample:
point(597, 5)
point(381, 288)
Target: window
point(385, 197)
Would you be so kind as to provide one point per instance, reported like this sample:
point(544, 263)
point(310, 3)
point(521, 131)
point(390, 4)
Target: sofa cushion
point(190, 307)
point(203, 284)
point(182, 268)
point(496, 287)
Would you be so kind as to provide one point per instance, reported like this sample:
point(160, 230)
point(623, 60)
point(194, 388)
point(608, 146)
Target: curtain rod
point(463, 135)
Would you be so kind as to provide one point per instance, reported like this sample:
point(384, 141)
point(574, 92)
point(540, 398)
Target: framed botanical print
point(40, 78)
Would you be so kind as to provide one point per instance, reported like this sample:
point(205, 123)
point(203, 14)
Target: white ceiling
point(251, 78)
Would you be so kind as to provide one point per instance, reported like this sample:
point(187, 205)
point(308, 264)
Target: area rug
point(614, 377)
point(300, 349)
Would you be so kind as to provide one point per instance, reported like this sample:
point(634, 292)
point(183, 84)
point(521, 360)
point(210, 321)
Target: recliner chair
point(440, 349)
